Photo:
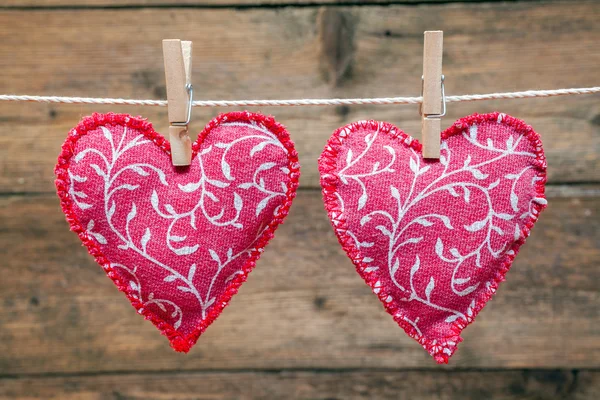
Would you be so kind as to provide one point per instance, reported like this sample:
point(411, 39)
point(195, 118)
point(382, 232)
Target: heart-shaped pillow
point(178, 241)
point(434, 238)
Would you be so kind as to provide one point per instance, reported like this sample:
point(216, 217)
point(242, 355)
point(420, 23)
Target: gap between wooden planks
point(357, 384)
point(265, 53)
point(91, 4)
point(303, 307)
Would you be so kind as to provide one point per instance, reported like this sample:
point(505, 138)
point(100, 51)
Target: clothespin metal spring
point(190, 89)
point(443, 113)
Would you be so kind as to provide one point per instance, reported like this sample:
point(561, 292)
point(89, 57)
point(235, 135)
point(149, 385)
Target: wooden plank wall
point(65, 331)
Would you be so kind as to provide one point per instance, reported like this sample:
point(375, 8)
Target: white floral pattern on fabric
point(434, 239)
point(180, 240)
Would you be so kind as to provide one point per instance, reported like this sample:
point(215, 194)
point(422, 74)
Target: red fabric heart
point(434, 238)
point(178, 241)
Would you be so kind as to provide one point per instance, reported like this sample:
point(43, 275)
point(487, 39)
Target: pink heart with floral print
point(434, 238)
point(178, 241)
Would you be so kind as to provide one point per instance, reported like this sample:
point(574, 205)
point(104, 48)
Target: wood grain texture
point(433, 49)
point(199, 3)
point(351, 385)
point(277, 53)
point(66, 332)
point(303, 307)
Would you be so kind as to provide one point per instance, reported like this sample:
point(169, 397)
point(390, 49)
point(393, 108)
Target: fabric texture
point(434, 238)
point(178, 241)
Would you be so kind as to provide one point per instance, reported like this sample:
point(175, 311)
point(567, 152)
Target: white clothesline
point(302, 102)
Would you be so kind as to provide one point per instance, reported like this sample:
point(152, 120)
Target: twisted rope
point(303, 102)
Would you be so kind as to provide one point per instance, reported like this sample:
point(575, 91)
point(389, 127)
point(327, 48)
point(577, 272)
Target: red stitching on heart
point(329, 182)
point(179, 341)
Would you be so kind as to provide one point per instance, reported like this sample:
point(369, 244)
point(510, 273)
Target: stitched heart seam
point(433, 238)
point(179, 242)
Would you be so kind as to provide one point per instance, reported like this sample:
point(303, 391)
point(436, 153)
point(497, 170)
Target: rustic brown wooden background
point(304, 325)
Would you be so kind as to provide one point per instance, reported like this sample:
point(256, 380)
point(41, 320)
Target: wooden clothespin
point(433, 107)
point(178, 67)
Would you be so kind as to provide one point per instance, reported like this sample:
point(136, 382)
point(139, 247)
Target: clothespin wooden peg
point(434, 100)
point(178, 66)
